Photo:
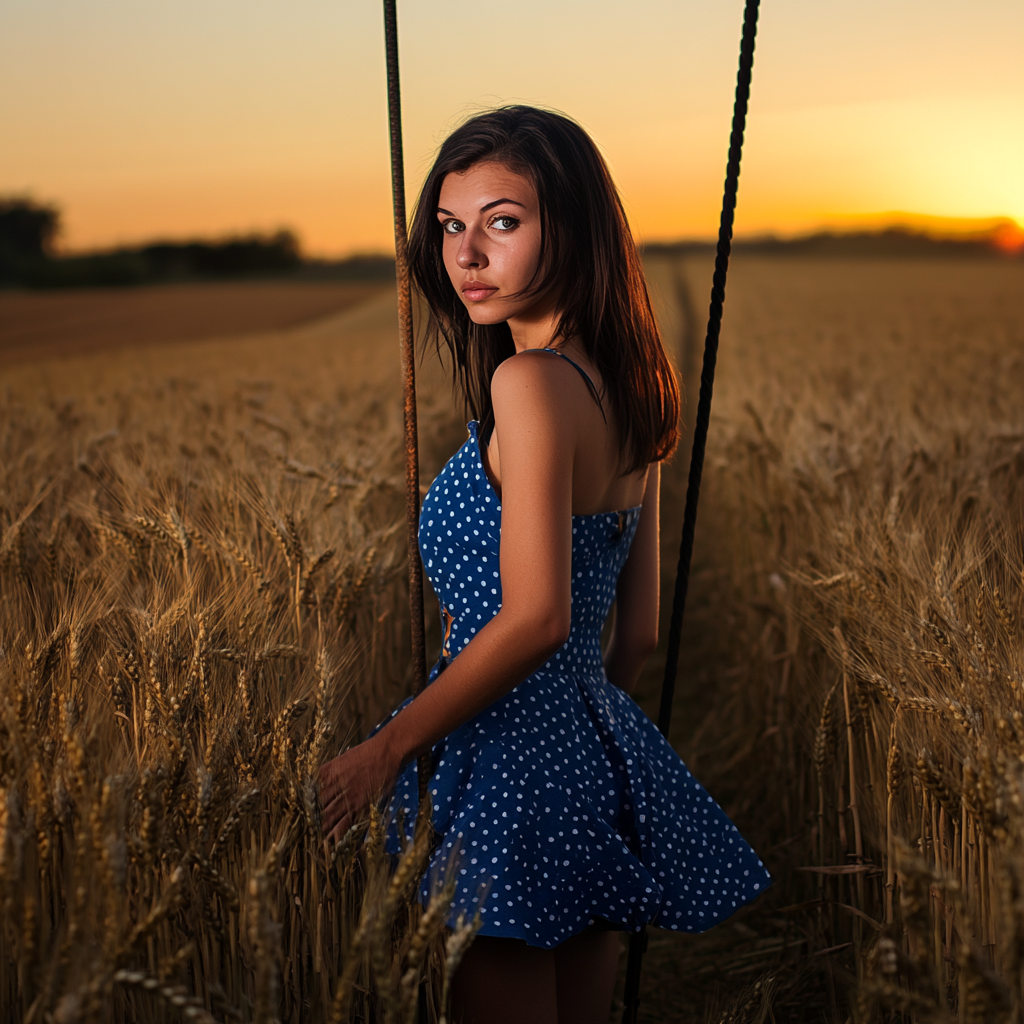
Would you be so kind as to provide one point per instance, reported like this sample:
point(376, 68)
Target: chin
point(486, 317)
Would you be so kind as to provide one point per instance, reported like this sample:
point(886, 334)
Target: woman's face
point(492, 240)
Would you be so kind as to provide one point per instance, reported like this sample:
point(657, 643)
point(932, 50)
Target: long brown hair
point(587, 252)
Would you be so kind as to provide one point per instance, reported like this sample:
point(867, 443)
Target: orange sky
point(209, 116)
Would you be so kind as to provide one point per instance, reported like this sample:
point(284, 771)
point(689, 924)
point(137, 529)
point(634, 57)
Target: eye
point(452, 227)
point(503, 222)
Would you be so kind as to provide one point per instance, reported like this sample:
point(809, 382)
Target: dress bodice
point(460, 534)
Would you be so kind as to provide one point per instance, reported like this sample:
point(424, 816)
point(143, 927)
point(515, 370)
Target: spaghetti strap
point(583, 373)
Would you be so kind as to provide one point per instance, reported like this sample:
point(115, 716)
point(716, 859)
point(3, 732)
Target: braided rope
point(405, 332)
point(638, 941)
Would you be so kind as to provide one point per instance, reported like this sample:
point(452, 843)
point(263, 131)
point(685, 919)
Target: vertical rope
point(405, 333)
point(638, 941)
point(707, 377)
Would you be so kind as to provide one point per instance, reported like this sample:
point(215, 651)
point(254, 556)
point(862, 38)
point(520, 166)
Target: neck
point(535, 328)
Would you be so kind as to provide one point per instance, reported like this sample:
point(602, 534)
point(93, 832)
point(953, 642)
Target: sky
point(144, 119)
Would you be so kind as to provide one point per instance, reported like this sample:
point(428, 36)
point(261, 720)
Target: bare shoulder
point(537, 384)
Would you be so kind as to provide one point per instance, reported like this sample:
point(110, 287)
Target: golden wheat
point(201, 584)
point(184, 640)
point(866, 494)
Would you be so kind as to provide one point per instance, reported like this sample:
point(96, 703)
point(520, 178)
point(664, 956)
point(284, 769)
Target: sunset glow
point(143, 120)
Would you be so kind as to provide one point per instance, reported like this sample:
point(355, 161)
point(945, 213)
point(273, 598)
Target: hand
point(352, 781)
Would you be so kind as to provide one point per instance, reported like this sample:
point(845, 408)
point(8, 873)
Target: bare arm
point(635, 628)
point(537, 449)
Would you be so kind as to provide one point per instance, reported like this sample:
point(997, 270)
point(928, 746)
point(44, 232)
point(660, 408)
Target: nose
point(470, 255)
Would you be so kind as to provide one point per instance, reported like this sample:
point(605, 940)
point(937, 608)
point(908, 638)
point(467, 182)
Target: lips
point(475, 291)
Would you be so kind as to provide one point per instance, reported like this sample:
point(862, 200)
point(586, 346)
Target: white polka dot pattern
point(562, 800)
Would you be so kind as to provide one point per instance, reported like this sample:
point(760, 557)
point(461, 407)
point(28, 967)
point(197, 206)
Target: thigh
point(586, 967)
point(505, 981)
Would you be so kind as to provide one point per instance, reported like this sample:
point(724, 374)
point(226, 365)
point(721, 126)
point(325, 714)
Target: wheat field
point(202, 585)
point(853, 685)
point(202, 600)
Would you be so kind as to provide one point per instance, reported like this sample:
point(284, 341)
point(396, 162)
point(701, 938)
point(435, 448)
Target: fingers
point(328, 779)
point(348, 784)
point(336, 811)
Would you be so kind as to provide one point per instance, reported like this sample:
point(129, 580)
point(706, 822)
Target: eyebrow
point(489, 206)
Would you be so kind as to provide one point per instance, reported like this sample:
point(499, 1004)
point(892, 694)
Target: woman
point(566, 803)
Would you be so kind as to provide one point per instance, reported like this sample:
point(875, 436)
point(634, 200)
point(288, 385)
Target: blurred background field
point(171, 502)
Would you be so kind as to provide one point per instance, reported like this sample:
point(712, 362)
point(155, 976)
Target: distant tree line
point(897, 242)
point(29, 230)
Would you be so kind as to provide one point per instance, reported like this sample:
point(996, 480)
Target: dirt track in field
point(43, 325)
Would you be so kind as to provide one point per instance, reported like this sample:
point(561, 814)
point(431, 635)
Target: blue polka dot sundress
point(564, 802)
